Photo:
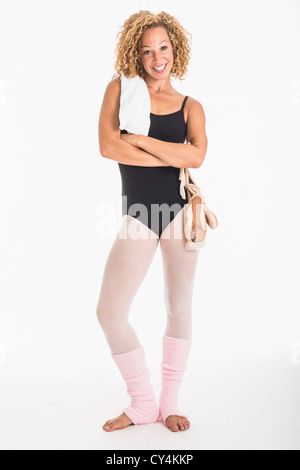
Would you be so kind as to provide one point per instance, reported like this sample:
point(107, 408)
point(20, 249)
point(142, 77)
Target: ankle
point(169, 408)
point(143, 412)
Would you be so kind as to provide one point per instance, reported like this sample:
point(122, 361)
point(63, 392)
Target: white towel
point(135, 105)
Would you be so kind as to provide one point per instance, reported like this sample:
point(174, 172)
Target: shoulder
point(196, 123)
point(195, 112)
point(114, 85)
point(113, 91)
point(194, 106)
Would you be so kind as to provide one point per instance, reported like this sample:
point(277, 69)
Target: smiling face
point(156, 52)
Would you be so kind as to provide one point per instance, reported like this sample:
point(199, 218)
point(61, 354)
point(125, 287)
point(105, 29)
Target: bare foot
point(176, 423)
point(117, 423)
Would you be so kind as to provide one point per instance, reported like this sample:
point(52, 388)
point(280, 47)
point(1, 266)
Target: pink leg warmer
point(143, 408)
point(175, 355)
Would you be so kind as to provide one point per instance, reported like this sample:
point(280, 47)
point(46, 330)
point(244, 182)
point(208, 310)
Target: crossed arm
point(133, 149)
point(178, 155)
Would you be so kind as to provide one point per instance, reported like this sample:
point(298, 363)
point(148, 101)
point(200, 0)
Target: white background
point(58, 383)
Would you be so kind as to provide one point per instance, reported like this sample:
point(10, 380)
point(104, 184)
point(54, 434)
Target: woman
point(156, 48)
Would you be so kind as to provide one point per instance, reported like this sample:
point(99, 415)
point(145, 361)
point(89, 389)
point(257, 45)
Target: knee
point(103, 316)
point(108, 316)
point(180, 317)
point(180, 311)
point(179, 321)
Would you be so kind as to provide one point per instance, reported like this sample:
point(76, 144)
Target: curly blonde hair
point(128, 59)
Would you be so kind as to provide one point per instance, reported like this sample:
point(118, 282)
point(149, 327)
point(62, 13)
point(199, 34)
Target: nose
point(156, 58)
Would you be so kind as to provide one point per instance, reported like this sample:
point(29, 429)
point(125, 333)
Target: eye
point(161, 48)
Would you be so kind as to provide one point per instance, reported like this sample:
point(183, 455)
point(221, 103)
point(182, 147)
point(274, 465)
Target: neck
point(158, 86)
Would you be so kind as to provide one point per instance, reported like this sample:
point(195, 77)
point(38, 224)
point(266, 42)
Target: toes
point(117, 423)
point(106, 427)
point(109, 421)
point(111, 427)
point(184, 424)
point(176, 423)
point(108, 424)
point(172, 424)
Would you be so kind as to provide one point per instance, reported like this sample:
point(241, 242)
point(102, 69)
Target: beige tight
point(126, 267)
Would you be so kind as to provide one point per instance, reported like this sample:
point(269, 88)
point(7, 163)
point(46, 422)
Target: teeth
point(159, 68)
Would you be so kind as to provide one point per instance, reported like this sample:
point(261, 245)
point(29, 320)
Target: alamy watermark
point(141, 221)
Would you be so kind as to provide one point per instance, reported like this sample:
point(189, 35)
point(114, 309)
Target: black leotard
point(156, 188)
